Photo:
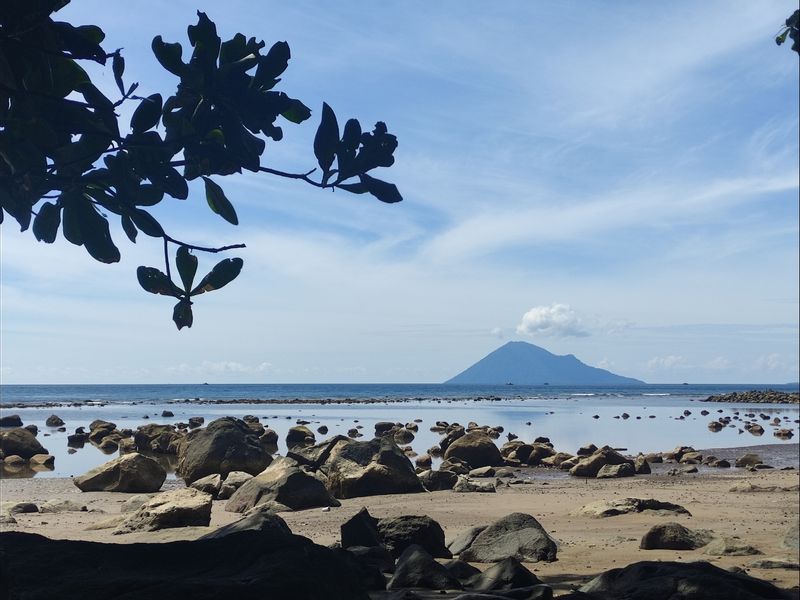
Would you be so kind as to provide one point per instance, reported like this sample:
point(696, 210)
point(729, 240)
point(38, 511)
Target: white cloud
point(219, 368)
point(556, 320)
point(770, 362)
point(670, 361)
point(498, 332)
point(719, 363)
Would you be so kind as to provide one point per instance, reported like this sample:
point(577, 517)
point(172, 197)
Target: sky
point(618, 181)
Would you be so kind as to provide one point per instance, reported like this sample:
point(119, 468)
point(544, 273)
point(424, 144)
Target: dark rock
point(225, 445)
point(54, 421)
point(417, 569)
point(464, 540)
point(504, 575)
point(20, 442)
point(399, 533)
point(678, 581)
point(195, 422)
point(10, 421)
point(516, 535)
point(613, 471)
point(300, 435)
point(32, 428)
point(167, 414)
point(264, 521)
point(132, 473)
point(232, 482)
point(245, 565)
point(622, 506)
point(360, 530)
point(282, 486)
point(435, 481)
point(466, 485)
point(641, 466)
point(461, 570)
point(674, 536)
point(322, 429)
point(161, 439)
point(76, 440)
point(748, 460)
point(476, 448)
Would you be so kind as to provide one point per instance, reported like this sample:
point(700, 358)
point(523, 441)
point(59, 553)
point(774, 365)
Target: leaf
point(216, 199)
point(169, 180)
point(327, 138)
point(154, 281)
point(147, 114)
point(118, 68)
point(182, 314)
point(221, 275)
point(96, 236)
point(273, 64)
point(129, 228)
point(355, 188)
point(297, 111)
point(169, 55)
point(146, 223)
point(47, 222)
point(187, 266)
point(383, 191)
point(782, 37)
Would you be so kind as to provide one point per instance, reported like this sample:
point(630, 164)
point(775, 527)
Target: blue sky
point(614, 180)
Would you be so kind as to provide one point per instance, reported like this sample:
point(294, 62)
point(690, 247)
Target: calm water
point(562, 413)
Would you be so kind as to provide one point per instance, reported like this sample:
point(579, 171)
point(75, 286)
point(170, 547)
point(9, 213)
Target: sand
point(587, 546)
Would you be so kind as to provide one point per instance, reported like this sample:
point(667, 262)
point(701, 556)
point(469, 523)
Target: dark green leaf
point(154, 281)
point(182, 314)
point(782, 37)
point(169, 55)
point(148, 195)
point(273, 64)
point(355, 188)
point(187, 266)
point(96, 236)
point(146, 223)
point(147, 114)
point(46, 223)
point(326, 139)
point(72, 220)
point(383, 191)
point(118, 67)
point(129, 228)
point(233, 49)
point(221, 275)
point(171, 182)
point(216, 199)
point(297, 111)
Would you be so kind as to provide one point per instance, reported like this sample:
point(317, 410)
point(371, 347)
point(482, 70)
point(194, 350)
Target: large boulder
point(615, 471)
point(674, 536)
point(10, 421)
point(591, 465)
point(20, 442)
point(361, 530)
point(416, 568)
point(300, 435)
point(475, 448)
point(245, 565)
point(507, 574)
point(399, 533)
point(264, 521)
point(678, 581)
point(371, 468)
point(184, 507)
point(464, 540)
point(131, 473)
point(516, 535)
point(435, 481)
point(730, 546)
point(282, 486)
point(622, 506)
point(163, 439)
point(225, 445)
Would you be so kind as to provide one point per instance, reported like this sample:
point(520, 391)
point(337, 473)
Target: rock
point(730, 546)
point(715, 426)
point(591, 465)
point(613, 471)
point(300, 435)
point(133, 503)
point(195, 422)
point(129, 473)
point(464, 540)
point(185, 507)
point(424, 461)
point(232, 482)
point(14, 461)
point(791, 539)
point(283, 485)
point(674, 536)
point(361, 530)
point(482, 472)
point(507, 574)
point(269, 438)
point(167, 414)
point(47, 460)
point(720, 463)
point(455, 465)
point(416, 568)
point(8, 520)
point(402, 532)
point(225, 445)
point(17, 508)
point(748, 460)
point(403, 436)
point(677, 581)
point(19, 442)
point(60, 506)
point(641, 466)
point(516, 535)
point(464, 485)
point(263, 521)
point(369, 468)
point(556, 459)
point(108, 445)
point(241, 565)
point(622, 506)
point(210, 484)
point(54, 421)
point(783, 434)
point(476, 448)
point(162, 439)
point(77, 440)
point(461, 570)
point(774, 563)
point(375, 559)
point(32, 428)
point(98, 429)
point(747, 487)
point(438, 480)
point(10, 421)
point(586, 450)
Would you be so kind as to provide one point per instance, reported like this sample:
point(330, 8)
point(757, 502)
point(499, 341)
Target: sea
point(659, 417)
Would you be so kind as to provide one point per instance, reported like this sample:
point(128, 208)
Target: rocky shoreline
point(757, 397)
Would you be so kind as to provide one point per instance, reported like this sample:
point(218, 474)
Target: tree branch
point(200, 248)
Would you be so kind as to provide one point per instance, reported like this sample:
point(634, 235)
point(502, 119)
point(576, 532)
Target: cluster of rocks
point(748, 422)
point(9, 509)
point(19, 449)
point(757, 397)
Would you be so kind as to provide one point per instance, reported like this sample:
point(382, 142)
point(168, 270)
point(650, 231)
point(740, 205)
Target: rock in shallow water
point(132, 473)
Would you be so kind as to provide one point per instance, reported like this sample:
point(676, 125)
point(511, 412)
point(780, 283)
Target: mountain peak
point(523, 363)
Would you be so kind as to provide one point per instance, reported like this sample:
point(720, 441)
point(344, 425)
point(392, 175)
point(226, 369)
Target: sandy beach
point(587, 545)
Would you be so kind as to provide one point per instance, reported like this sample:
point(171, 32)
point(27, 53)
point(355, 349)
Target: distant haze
point(521, 363)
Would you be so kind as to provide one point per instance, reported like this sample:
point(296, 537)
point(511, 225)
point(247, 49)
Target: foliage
point(792, 30)
point(66, 164)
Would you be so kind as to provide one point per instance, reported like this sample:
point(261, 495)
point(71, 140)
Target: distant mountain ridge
point(522, 363)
